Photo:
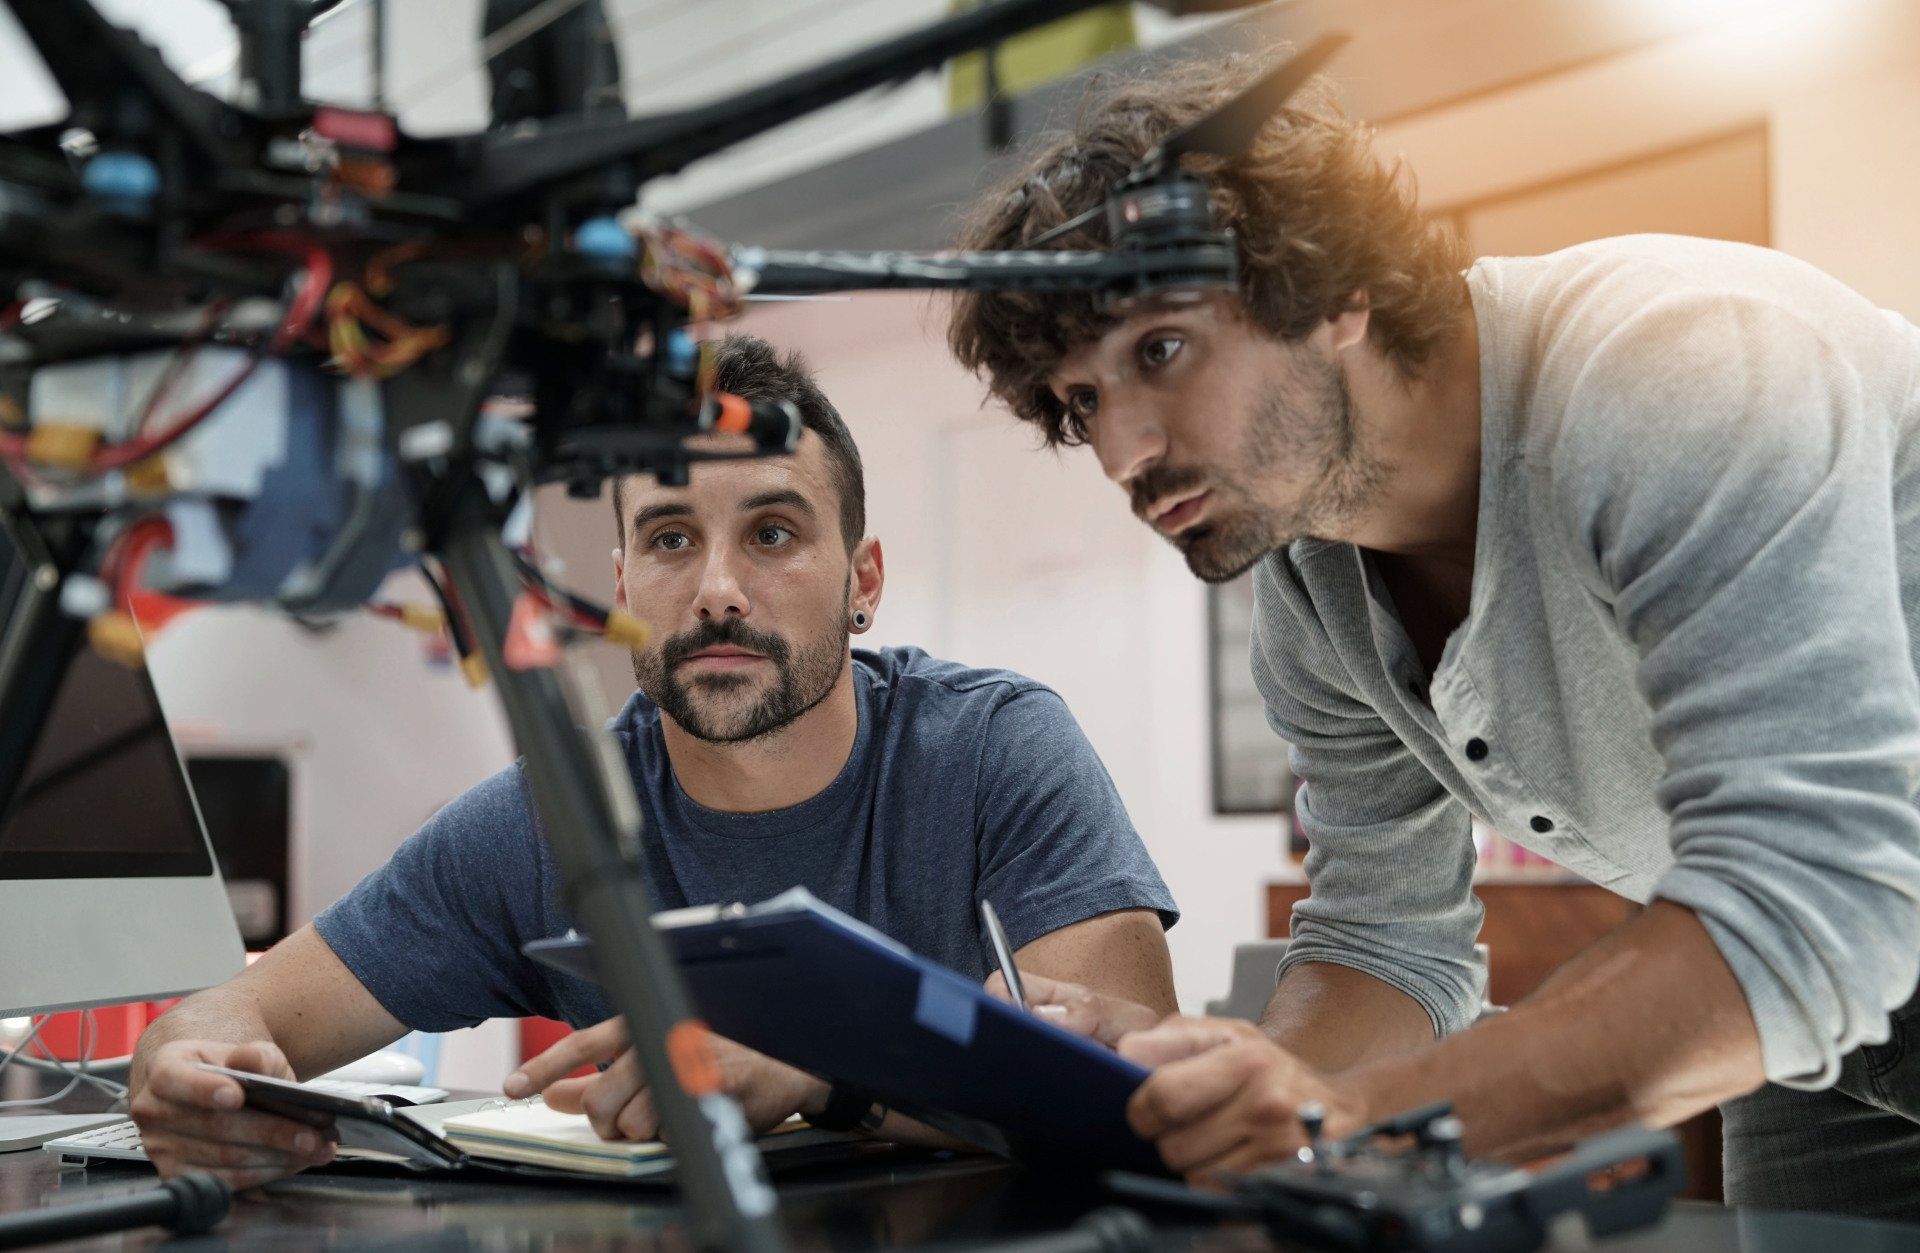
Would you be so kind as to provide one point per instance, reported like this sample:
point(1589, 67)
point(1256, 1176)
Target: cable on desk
point(77, 1072)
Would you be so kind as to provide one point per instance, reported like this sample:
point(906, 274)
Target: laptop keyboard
point(120, 1141)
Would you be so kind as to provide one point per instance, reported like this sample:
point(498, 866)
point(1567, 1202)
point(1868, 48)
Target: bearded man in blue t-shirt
point(765, 753)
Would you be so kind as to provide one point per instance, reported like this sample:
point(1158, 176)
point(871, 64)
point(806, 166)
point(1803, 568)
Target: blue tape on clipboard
point(941, 1007)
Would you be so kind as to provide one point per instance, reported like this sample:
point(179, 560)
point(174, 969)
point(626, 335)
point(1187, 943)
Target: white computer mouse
point(386, 1066)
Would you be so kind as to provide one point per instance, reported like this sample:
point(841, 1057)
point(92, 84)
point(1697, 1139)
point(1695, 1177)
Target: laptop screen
point(103, 795)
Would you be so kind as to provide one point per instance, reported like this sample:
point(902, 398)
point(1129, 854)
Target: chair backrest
point(1256, 969)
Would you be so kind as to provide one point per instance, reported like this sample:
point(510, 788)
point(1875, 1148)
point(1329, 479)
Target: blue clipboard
point(802, 982)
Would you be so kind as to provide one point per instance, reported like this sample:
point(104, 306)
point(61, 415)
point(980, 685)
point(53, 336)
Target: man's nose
point(722, 592)
point(1128, 439)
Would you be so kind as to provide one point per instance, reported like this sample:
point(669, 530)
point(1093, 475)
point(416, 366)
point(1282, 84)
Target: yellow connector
point(62, 446)
point(115, 636)
point(422, 619)
point(474, 666)
point(148, 477)
point(624, 628)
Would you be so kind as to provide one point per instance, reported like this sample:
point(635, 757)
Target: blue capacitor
point(125, 182)
point(604, 239)
point(683, 353)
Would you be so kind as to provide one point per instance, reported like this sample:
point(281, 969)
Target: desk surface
point(962, 1203)
point(956, 1203)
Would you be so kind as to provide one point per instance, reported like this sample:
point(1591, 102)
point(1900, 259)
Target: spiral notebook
point(533, 1134)
point(523, 1138)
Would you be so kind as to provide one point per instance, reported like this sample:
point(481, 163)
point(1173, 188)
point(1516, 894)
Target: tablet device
point(360, 1122)
point(802, 982)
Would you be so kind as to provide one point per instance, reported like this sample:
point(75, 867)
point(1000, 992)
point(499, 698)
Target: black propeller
point(1228, 131)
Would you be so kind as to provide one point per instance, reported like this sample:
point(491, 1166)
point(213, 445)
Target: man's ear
point(619, 579)
point(1349, 326)
point(869, 577)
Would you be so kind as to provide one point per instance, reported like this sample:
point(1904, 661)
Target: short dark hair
point(748, 367)
point(1315, 215)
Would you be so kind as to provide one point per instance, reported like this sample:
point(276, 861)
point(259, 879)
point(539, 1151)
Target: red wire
point(120, 568)
point(578, 617)
point(306, 303)
point(182, 357)
point(300, 311)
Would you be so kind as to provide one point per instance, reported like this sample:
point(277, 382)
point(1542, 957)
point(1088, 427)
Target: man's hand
point(1223, 1097)
point(1080, 1010)
point(618, 1102)
point(191, 1120)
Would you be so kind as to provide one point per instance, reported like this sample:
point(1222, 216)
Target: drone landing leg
point(575, 781)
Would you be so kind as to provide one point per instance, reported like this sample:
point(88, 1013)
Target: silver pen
point(1003, 952)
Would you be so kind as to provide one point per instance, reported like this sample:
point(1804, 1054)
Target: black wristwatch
point(848, 1109)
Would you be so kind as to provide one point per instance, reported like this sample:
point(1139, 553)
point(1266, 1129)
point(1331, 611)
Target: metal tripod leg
point(573, 781)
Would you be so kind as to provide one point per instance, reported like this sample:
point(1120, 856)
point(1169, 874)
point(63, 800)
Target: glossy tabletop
point(913, 1200)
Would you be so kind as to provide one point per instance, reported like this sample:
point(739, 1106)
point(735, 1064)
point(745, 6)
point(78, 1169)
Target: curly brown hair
point(1314, 215)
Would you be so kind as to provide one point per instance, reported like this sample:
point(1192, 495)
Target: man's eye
point(1082, 402)
point(772, 536)
point(1159, 349)
point(671, 541)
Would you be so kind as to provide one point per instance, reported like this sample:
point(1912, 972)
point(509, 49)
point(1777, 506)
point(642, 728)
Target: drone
point(272, 351)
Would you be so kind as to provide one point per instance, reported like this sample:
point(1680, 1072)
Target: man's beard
point(1307, 420)
point(801, 680)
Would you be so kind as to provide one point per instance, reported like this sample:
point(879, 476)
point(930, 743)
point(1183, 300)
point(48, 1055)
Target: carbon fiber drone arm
point(1194, 265)
point(508, 165)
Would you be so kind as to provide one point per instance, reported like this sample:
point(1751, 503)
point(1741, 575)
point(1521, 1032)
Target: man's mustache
point(726, 632)
point(1161, 481)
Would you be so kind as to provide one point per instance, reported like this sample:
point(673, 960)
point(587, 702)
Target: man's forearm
point(223, 1013)
point(1335, 1018)
point(1649, 1025)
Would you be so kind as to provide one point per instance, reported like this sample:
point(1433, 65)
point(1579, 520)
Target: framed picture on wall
point(1250, 774)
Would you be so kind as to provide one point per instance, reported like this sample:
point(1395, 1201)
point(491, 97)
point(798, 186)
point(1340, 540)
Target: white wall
point(1846, 182)
point(378, 737)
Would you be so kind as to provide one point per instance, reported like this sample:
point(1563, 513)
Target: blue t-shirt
point(962, 784)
